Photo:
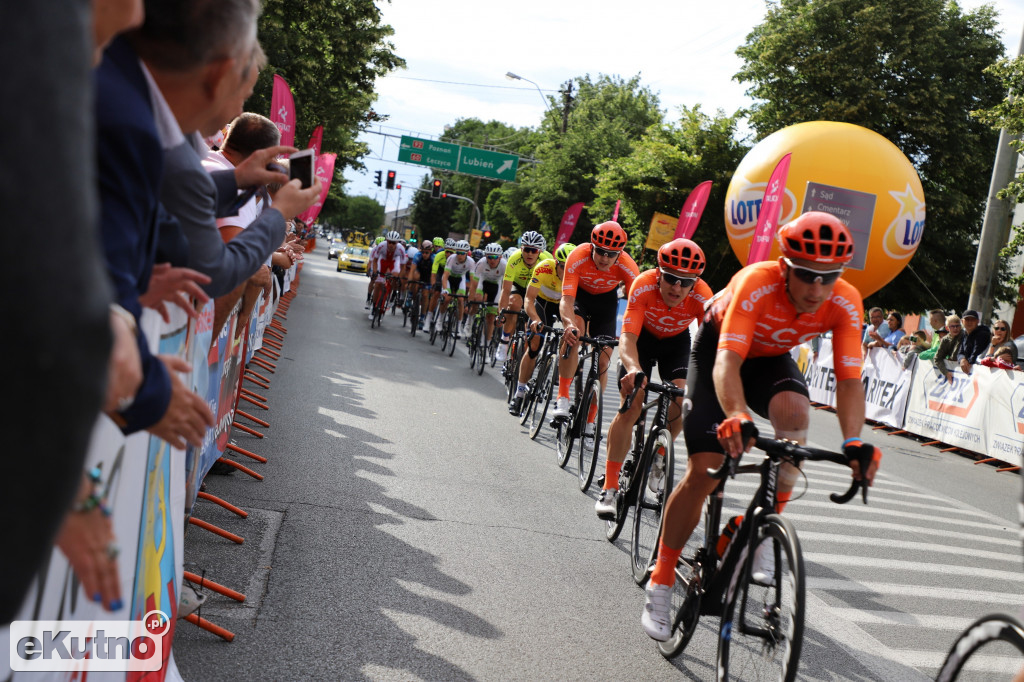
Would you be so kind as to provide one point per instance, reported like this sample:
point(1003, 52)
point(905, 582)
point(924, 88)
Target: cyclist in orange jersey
point(592, 274)
point(741, 362)
point(663, 302)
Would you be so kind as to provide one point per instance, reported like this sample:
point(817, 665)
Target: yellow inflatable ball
point(843, 169)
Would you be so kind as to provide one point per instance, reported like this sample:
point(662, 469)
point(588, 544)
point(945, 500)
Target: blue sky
point(458, 51)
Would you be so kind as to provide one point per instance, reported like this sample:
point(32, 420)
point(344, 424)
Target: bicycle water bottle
point(726, 537)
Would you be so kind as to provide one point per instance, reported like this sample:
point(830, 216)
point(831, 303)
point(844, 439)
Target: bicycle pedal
point(600, 482)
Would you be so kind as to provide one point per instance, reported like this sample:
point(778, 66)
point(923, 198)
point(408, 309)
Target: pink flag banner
point(315, 140)
point(282, 110)
point(569, 221)
point(325, 172)
point(767, 219)
point(693, 208)
point(615, 215)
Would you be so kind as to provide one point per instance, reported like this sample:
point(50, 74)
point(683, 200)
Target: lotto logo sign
point(89, 645)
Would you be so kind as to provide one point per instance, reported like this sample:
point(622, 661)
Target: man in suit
point(215, 41)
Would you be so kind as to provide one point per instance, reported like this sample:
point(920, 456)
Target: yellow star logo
point(909, 204)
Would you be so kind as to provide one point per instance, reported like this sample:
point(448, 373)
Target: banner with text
point(663, 227)
point(886, 387)
point(568, 224)
point(282, 110)
point(693, 207)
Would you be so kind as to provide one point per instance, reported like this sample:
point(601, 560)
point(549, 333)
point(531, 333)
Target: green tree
point(607, 117)
point(362, 213)
point(331, 52)
point(432, 217)
point(663, 167)
point(910, 71)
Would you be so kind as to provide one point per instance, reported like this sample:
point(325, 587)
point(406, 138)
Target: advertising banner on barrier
point(886, 387)
point(819, 371)
point(982, 412)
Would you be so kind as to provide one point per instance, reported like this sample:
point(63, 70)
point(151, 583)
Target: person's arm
point(506, 291)
point(530, 304)
point(567, 311)
point(729, 389)
point(850, 412)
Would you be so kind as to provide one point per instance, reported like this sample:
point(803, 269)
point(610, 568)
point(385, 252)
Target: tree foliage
point(659, 173)
point(432, 217)
point(331, 52)
point(910, 71)
point(608, 116)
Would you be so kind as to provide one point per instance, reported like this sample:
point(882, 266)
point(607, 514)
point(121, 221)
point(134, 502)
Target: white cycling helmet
point(510, 251)
point(462, 246)
point(427, 244)
point(533, 239)
point(393, 236)
point(449, 244)
point(493, 249)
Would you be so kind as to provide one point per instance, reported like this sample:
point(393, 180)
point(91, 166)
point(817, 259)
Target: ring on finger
point(113, 551)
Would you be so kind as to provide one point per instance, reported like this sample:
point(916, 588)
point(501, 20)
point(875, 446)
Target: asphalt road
point(407, 528)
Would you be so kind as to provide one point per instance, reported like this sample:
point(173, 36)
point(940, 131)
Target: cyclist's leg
point(567, 365)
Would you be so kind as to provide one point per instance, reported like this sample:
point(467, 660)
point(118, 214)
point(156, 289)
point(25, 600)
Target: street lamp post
point(513, 77)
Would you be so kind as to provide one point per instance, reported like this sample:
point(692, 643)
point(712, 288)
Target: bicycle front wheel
point(453, 329)
point(651, 497)
point(539, 409)
point(481, 344)
point(589, 445)
point(992, 647)
point(763, 625)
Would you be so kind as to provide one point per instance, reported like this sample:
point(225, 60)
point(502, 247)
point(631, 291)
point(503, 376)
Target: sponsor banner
point(282, 110)
point(768, 216)
point(819, 371)
point(568, 224)
point(693, 207)
point(315, 140)
point(662, 229)
point(982, 412)
point(886, 387)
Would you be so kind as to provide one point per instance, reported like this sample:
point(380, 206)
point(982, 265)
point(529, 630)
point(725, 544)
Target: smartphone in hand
point(301, 167)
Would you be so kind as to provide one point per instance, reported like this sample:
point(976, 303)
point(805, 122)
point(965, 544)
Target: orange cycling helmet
point(818, 237)
point(609, 235)
point(682, 255)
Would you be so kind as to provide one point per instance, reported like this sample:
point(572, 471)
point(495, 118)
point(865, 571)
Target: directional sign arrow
point(504, 167)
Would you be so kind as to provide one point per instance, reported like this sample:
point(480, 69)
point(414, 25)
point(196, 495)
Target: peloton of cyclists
point(741, 361)
point(655, 329)
point(436, 272)
point(385, 259)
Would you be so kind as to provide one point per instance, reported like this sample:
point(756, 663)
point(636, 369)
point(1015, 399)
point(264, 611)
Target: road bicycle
point(380, 306)
point(991, 647)
point(450, 324)
point(477, 338)
point(588, 394)
point(411, 306)
point(761, 630)
point(542, 386)
point(636, 490)
point(516, 345)
point(435, 325)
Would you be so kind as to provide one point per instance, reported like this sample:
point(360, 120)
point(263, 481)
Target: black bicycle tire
point(414, 314)
point(453, 328)
point(588, 461)
point(533, 390)
point(482, 345)
point(564, 441)
point(542, 403)
point(738, 589)
point(684, 620)
point(991, 628)
point(434, 327)
point(642, 559)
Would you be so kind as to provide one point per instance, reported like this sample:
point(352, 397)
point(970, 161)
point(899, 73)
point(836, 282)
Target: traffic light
point(487, 233)
point(391, 179)
point(398, 187)
point(377, 176)
point(435, 189)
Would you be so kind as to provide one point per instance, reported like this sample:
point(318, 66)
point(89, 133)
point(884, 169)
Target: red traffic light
point(435, 189)
point(391, 180)
point(398, 187)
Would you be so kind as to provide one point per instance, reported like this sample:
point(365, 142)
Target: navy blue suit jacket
point(130, 164)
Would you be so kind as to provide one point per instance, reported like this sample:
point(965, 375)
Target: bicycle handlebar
point(637, 385)
point(605, 341)
point(784, 449)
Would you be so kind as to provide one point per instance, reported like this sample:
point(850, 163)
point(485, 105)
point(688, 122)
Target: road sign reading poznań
point(453, 157)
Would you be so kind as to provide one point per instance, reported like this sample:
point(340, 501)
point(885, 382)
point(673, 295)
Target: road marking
point(907, 590)
point(899, 618)
point(973, 538)
point(1014, 558)
point(831, 560)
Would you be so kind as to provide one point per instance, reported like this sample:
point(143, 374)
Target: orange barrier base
point(264, 364)
point(252, 418)
point(931, 442)
point(226, 635)
point(235, 448)
point(255, 381)
point(243, 427)
point(259, 376)
point(237, 539)
point(254, 395)
point(253, 401)
point(269, 353)
point(241, 467)
point(213, 587)
point(227, 505)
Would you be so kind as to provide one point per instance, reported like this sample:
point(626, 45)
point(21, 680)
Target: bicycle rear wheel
point(590, 446)
point(414, 314)
point(533, 391)
point(482, 347)
point(649, 506)
point(687, 594)
point(992, 647)
point(435, 327)
point(763, 625)
point(453, 328)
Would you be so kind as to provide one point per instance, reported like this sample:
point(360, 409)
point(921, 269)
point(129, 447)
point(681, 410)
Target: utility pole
point(996, 226)
point(567, 100)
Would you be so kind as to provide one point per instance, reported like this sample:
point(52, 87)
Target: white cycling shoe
point(607, 507)
point(502, 352)
point(561, 410)
point(657, 612)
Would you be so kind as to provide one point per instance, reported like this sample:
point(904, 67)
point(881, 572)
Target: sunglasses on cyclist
point(530, 249)
point(672, 280)
point(493, 257)
point(809, 276)
point(598, 251)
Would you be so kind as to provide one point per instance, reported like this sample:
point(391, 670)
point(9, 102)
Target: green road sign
point(443, 155)
point(453, 157)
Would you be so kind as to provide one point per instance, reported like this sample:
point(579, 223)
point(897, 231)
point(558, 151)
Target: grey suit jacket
point(197, 198)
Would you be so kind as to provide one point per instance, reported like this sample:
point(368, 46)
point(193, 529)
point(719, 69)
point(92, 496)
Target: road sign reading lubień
point(453, 157)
